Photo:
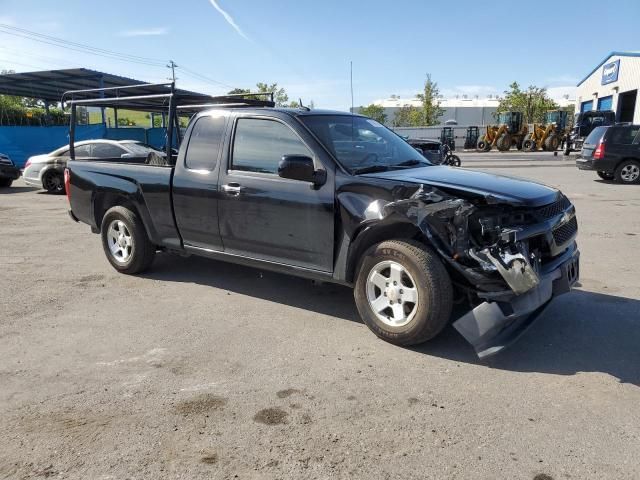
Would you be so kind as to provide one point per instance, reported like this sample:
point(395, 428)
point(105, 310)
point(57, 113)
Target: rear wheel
point(53, 182)
point(454, 161)
point(628, 172)
point(504, 142)
point(403, 292)
point(125, 241)
point(5, 182)
point(605, 175)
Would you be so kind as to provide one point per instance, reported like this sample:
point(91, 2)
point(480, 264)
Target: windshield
point(552, 117)
point(361, 144)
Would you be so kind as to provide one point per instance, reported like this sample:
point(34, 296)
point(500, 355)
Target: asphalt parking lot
point(200, 369)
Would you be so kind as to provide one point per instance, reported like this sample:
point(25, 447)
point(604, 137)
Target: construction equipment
point(471, 138)
point(549, 134)
point(447, 137)
point(508, 132)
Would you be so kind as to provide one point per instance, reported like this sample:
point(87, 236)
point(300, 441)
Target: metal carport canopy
point(50, 85)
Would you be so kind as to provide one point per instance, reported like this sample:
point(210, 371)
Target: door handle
point(232, 188)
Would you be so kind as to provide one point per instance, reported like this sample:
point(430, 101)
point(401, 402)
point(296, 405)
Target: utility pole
point(351, 82)
point(172, 65)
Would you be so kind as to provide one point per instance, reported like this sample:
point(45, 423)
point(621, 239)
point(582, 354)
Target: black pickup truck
point(340, 198)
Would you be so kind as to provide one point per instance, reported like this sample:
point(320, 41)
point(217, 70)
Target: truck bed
point(96, 186)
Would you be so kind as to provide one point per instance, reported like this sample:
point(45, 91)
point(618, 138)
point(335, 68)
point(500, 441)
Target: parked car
point(47, 171)
point(340, 198)
point(8, 171)
point(613, 152)
point(431, 149)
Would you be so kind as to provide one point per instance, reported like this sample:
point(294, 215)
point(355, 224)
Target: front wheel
point(403, 292)
point(5, 182)
point(125, 241)
point(483, 145)
point(454, 161)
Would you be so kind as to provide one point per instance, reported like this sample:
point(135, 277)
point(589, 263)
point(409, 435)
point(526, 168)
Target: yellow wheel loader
point(548, 135)
point(508, 132)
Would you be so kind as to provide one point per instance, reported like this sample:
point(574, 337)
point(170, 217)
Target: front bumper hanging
point(493, 325)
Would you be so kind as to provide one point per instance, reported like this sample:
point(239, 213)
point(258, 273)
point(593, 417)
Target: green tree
point(374, 111)
point(238, 91)
point(279, 94)
point(408, 116)
point(431, 110)
point(532, 102)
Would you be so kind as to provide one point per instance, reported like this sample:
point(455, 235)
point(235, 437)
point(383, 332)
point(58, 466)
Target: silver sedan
point(47, 170)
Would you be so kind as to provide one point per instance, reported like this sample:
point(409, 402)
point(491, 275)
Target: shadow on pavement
point(324, 298)
point(19, 189)
point(579, 332)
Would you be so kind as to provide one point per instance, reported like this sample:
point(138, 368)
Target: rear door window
point(623, 135)
point(204, 143)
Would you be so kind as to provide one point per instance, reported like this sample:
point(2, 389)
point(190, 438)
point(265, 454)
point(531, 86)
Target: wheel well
point(373, 235)
point(105, 201)
point(627, 159)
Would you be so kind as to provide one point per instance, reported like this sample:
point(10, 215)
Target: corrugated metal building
point(464, 110)
point(613, 85)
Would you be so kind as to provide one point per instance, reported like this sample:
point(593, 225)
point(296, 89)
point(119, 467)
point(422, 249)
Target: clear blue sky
point(468, 47)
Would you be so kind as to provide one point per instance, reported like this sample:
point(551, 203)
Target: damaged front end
point(509, 259)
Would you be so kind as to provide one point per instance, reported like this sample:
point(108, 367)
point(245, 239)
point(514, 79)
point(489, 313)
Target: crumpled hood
point(501, 187)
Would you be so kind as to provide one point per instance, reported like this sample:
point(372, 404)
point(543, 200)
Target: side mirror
point(300, 167)
point(419, 150)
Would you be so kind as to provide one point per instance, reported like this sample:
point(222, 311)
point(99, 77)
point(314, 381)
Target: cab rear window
point(595, 136)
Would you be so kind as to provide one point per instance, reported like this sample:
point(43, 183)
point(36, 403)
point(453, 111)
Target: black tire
point(53, 182)
point(483, 145)
point(454, 161)
point(628, 172)
point(551, 143)
point(606, 176)
point(528, 144)
point(5, 182)
point(141, 251)
point(432, 282)
point(504, 142)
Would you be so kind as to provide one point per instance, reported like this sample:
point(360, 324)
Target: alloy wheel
point(392, 293)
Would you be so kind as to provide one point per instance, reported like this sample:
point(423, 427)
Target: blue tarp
point(127, 134)
point(20, 143)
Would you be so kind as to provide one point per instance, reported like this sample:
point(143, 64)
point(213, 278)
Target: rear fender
point(123, 194)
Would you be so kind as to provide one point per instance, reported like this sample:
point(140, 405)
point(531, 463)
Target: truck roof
point(295, 112)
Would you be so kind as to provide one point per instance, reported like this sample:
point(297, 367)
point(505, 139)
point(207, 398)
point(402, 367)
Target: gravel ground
point(201, 369)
